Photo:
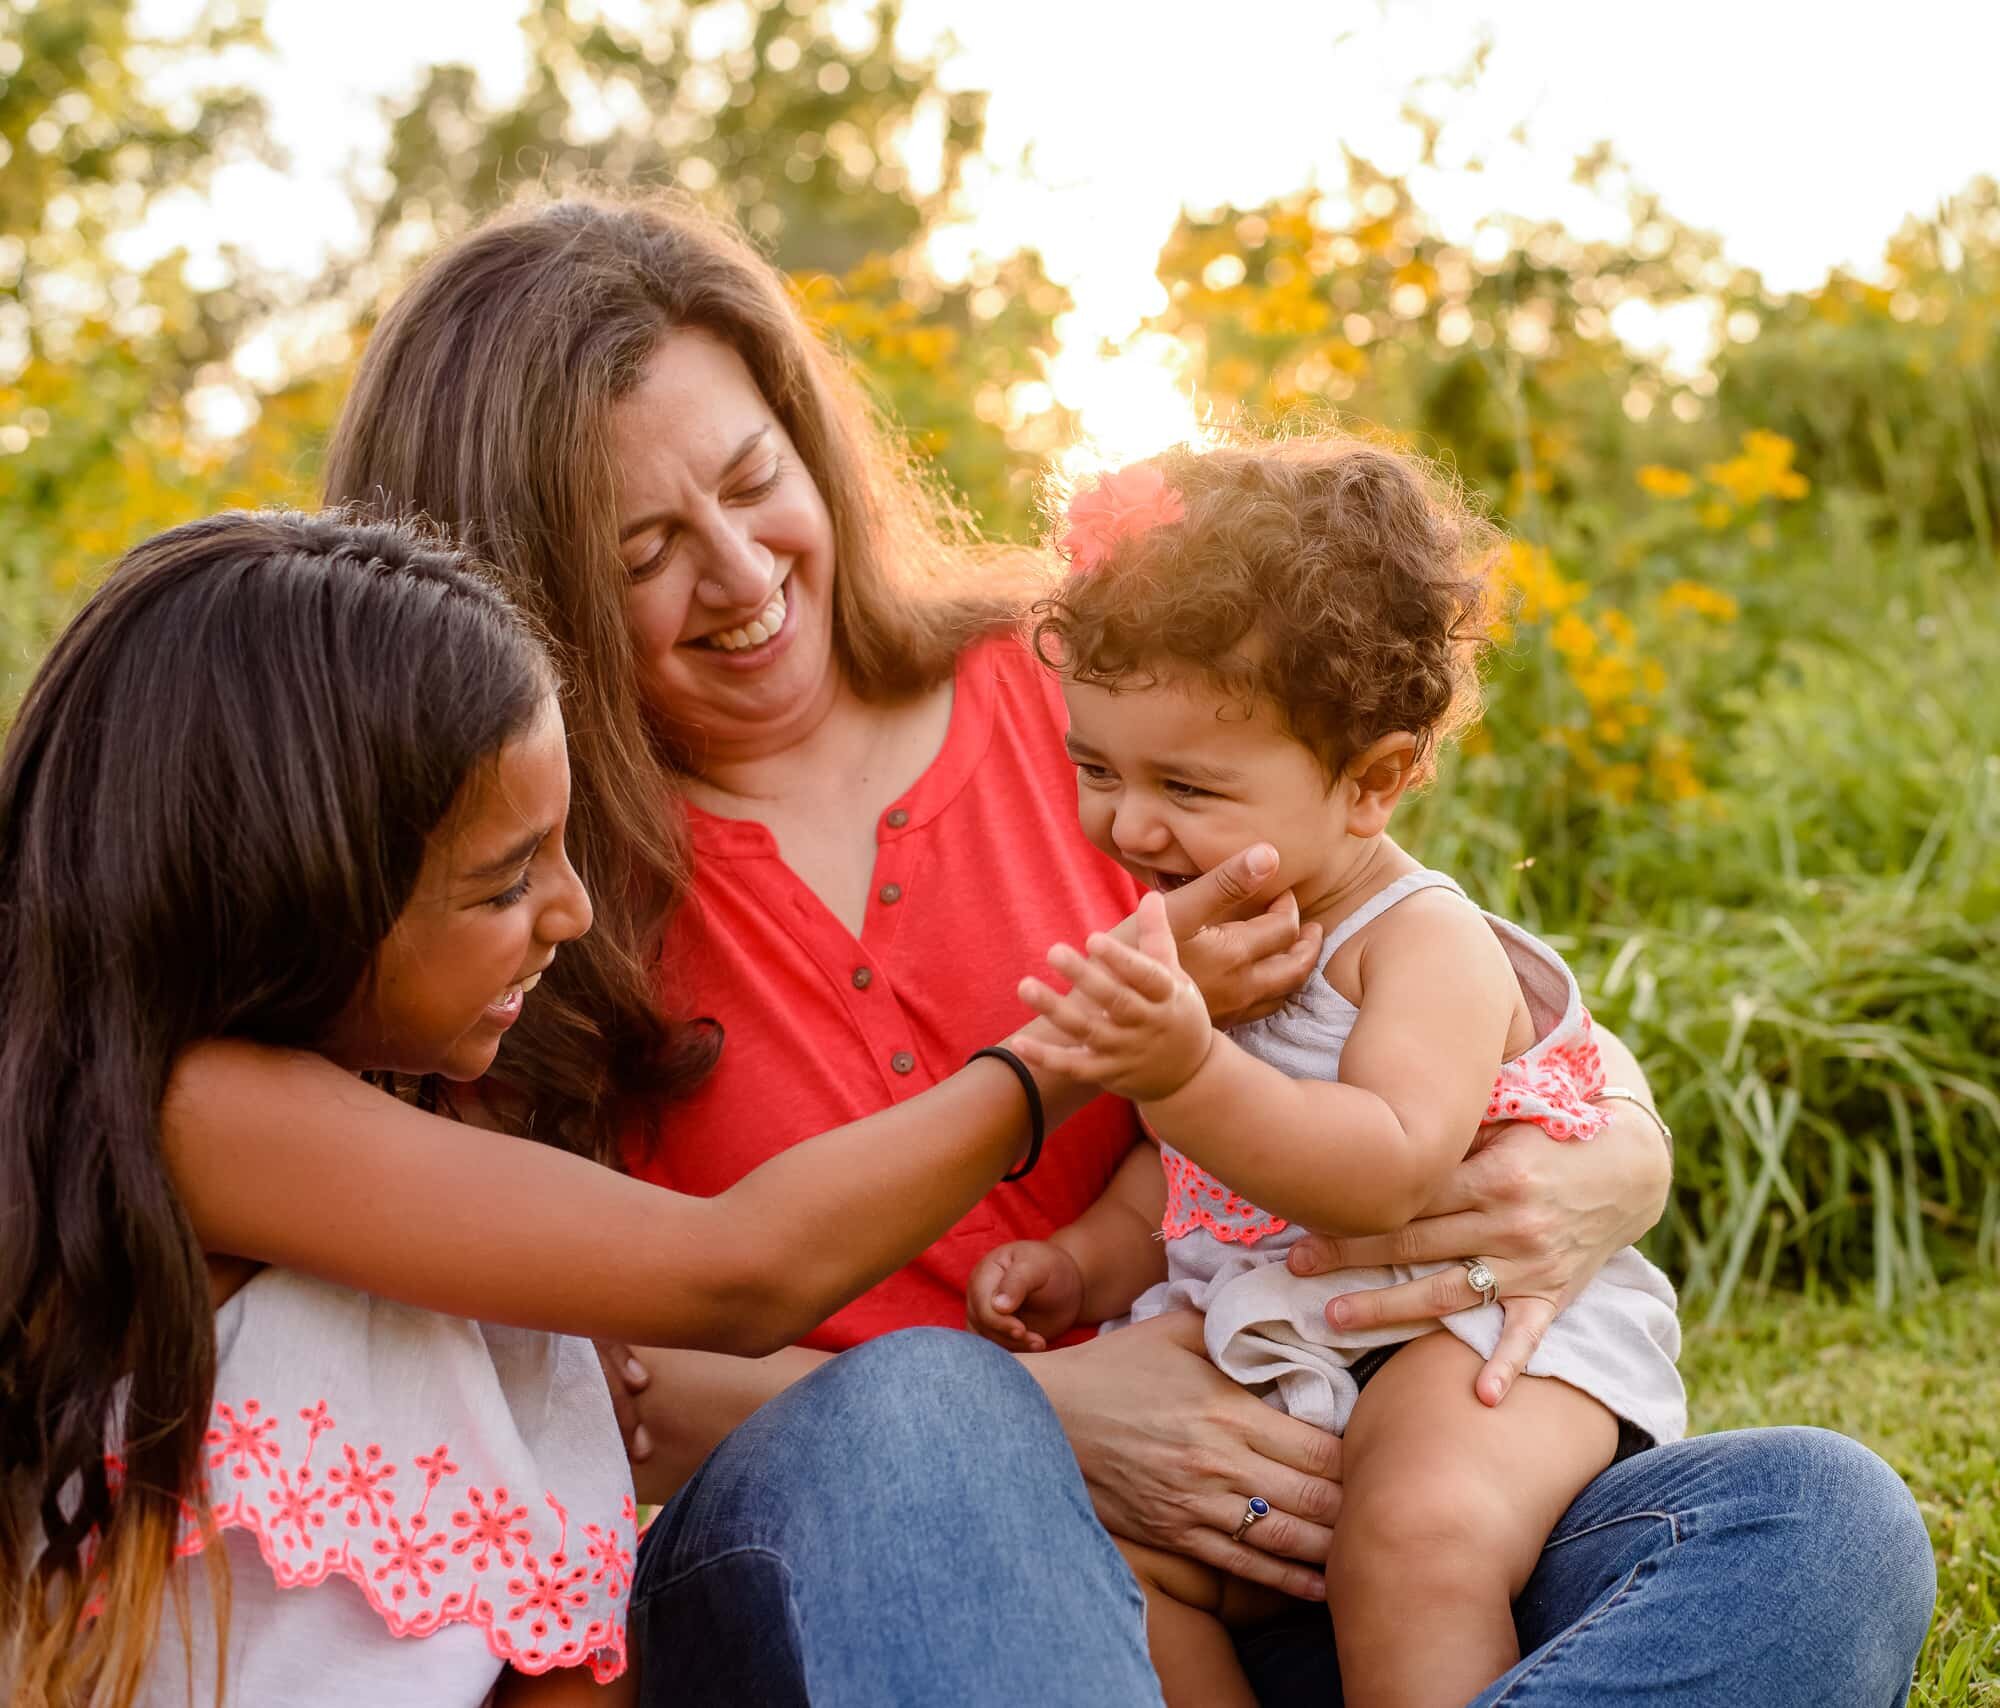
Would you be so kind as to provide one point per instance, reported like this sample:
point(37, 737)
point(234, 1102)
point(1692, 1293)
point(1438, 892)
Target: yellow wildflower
point(1761, 469)
point(1621, 781)
point(1715, 515)
point(1664, 482)
point(1544, 591)
point(1699, 600)
point(1573, 638)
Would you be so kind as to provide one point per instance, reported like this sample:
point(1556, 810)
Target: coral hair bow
point(1127, 502)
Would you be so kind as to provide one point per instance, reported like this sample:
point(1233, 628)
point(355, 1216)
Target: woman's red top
point(979, 868)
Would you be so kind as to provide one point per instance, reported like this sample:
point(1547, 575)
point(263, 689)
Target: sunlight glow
point(1130, 401)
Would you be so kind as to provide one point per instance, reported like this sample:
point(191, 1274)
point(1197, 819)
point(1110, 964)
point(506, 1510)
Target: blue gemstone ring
point(1257, 1509)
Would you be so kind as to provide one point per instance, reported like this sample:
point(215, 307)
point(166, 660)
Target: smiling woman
point(730, 550)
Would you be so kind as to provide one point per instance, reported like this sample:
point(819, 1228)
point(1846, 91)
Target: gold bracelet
point(1624, 1094)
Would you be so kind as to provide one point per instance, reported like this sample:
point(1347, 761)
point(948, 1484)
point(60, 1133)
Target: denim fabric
point(905, 1526)
point(1768, 1568)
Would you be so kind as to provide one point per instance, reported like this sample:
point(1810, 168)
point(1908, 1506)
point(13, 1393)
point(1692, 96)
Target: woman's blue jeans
point(904, 1528)
point(907, 1525)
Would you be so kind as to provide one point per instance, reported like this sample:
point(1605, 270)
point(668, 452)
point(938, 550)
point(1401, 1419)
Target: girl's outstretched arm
point(284, 1158)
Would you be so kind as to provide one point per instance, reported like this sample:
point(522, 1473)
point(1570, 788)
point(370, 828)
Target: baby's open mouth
point(760, 629)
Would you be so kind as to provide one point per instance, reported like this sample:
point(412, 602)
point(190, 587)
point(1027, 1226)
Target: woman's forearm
point(1621, 1067)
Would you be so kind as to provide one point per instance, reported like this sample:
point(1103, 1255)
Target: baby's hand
point(1134, 1022)
point(1023, 1295)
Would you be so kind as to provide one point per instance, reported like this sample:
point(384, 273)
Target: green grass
point(1922, 1387)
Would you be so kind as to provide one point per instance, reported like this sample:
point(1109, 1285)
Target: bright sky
point(1802, 130)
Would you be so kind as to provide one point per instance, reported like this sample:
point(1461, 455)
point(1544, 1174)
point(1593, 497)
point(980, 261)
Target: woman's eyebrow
point(639, 524)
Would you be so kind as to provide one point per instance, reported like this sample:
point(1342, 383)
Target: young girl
point(288, 796)
point(1278, 639)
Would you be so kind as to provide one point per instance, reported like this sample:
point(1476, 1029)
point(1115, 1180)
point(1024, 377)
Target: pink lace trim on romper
point(1548, 1084)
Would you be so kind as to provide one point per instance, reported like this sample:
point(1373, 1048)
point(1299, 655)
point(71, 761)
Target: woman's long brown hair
point(483, 402)
point(214, 805)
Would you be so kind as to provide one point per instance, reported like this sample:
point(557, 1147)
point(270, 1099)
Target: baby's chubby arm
point(1359, 1156)
point(1024, 1294)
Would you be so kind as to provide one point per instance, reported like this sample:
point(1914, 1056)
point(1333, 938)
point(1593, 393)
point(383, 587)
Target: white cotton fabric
point(409, 1503)
point(1267, 1328)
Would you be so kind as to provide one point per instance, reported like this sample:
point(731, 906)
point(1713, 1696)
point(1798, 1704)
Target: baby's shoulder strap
point(1409, 884)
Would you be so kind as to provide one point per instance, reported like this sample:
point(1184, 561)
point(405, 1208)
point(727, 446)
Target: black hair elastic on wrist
point(1037, 1122)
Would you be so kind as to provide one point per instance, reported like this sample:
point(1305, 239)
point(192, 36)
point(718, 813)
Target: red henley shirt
point(979, 868)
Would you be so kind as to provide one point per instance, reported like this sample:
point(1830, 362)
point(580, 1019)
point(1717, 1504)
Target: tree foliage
point(837, 150)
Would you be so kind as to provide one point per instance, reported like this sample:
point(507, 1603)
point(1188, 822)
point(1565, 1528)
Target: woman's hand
point(1545, 1217)
point(1173, 1450)
point(1245, 950)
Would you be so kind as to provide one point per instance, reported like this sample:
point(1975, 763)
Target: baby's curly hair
point(1344, 581)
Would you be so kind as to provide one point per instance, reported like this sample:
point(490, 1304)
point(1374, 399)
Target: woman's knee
point(1828, 1529)
point(936, 1389)
point(1870, 1544)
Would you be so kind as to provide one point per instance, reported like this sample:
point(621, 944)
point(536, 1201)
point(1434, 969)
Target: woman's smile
point(752, 645)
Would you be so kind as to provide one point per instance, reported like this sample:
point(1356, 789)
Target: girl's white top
point(408, 1503)
point(1267, 1327)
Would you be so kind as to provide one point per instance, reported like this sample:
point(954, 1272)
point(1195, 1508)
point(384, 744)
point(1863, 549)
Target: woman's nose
point(733, 571)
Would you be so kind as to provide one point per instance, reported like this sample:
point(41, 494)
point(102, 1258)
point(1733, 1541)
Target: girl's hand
point(1021, 1296)
point(1545, 1217)
point(1135, 1023)
point(1173, 1450)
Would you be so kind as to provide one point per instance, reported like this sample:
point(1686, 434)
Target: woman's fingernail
point(1261, 859)
point(642, 1443)
point(1003, 1302)
point(1339, 1313)
point(635, 1372)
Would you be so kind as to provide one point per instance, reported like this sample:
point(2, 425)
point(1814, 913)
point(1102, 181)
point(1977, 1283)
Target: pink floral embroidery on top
point(503, 1571)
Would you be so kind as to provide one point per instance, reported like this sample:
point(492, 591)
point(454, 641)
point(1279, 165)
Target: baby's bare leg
point(1446, 1504)
point(1190, 1646)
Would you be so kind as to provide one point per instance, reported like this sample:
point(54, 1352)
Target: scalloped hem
point(600, 1645)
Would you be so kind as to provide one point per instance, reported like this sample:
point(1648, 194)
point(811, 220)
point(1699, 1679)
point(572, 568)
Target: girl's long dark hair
point(213, 805)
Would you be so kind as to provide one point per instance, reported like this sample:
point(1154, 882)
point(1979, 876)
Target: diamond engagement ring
point(1481, 1277)
point(1257, 1509)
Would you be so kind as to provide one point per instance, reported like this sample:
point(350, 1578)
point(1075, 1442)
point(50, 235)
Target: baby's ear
point(1380, 773)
